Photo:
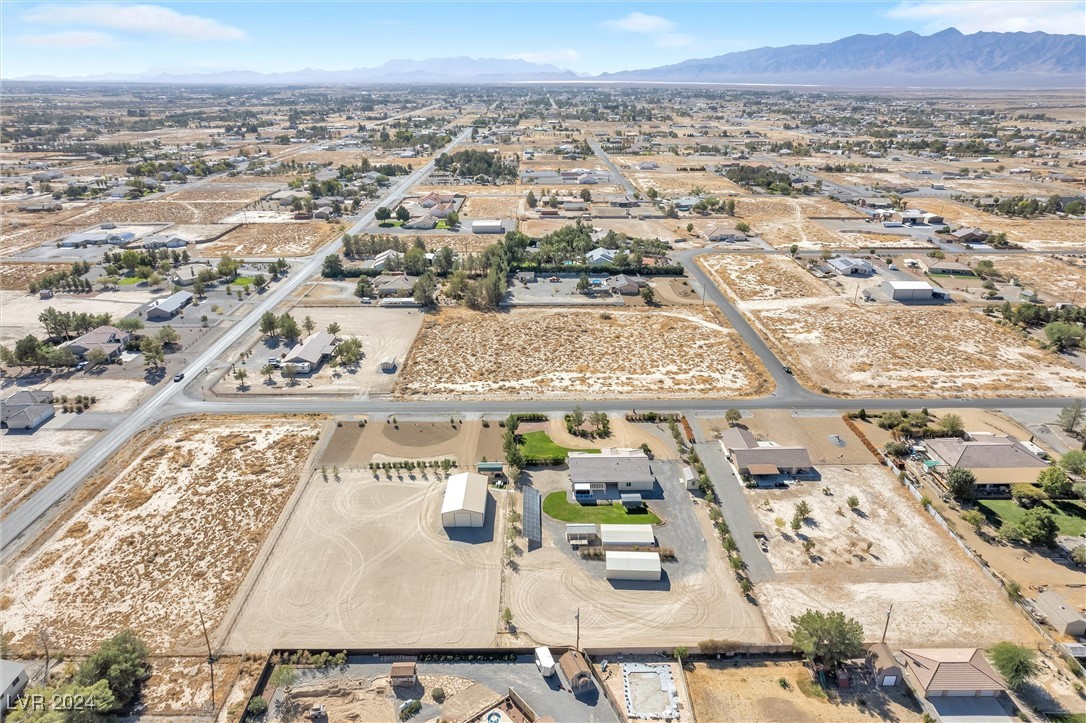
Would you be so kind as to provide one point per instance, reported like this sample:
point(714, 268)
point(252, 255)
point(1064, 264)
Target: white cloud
point(641, 23)
point(70, 39)
point(971, 16)
point(149, 19)
point(566, 55)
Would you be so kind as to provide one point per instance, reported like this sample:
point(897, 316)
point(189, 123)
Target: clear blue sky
point(79, 38)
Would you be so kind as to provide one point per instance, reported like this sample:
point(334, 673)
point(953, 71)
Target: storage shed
point(1060, 614)
point(465, 501)
point(627, 535)
point(884, 666)
point(633, 566)
point(576, 672)
point(403, 674)
point(908, 290)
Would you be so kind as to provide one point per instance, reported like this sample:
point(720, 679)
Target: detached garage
point(633, 566)
point(908, 290)
point(465, 501)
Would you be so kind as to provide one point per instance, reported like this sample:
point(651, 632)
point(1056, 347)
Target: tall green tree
point(961, 483)
point(1015, 663)
point(269, 323)
point(122, 663)
point(1054, 482)
point(829, 638)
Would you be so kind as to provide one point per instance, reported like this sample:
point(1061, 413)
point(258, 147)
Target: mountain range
point(947, 59)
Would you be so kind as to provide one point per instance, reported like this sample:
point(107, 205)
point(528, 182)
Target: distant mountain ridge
point(947, 59)
point(944, 59)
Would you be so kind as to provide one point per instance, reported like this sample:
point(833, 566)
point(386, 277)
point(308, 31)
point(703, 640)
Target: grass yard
point(1070, 514)
point(559, 507)
point(130, 281)
point(242, 281)
point(539, 444)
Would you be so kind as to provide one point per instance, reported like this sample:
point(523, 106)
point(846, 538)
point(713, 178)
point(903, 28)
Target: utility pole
point(210, 659)
point(45, 644)
point(887, 625)
point(578, 616)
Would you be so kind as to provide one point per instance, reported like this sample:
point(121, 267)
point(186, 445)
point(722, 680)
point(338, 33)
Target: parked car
point(179, 377)
point(316, 712)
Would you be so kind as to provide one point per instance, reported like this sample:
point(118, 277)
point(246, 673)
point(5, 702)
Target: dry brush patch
point(1055, 279)
point(900, 351)
point(577, 352)
point(749, 277)
point(197, 212)
point(174, 532)
point(1043, 232)
point(491, 207)
point(19, 276)
point(292, 238)
point(21, 475)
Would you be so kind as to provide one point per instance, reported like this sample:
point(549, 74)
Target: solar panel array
point(533, 516)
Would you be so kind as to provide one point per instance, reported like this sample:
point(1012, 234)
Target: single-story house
point(623, 565)
point(393, 284)
point(932, 219)
point(422, 223)
point(433, 198)
point(969, 235)
point(951, 672)
point(846, 266)
point(908, 290)
point(109, 339)
point(27, 409)
point(403, 674)
point(442, 210)
point(525, 277)
point(382, 260)
point(307, 355)
point(600, 255)
point(626, 285)
point(725, 233)
point(997, 461)
point(624, 202)
point(575, 670)
point(14, 679)
point(621, 469)
point(884, 666)
point(763, 459)
point(1060, 614)
point(185, 275)
point(168, 308)
point(465, 500)
point(910, 215)
point(950, 267)
point(876, 203)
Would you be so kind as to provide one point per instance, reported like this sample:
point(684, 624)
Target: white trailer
point(544, 661)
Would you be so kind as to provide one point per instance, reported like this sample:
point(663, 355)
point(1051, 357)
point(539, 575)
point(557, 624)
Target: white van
point(544, 661)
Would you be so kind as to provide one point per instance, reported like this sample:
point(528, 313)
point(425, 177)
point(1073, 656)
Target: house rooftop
point(952, 669)
point(609, 468)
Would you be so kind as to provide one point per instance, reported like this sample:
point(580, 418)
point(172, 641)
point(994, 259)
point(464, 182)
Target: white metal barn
point(633, 566)
point(627, 536)
point(465, 501)
point(908, 290)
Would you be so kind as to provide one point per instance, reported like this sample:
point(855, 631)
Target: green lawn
point(557, 506)
point(441, 225)
point(539, 444)
point(1070, 514)
point(130, 281)
point(390, 223)
point(242, 281)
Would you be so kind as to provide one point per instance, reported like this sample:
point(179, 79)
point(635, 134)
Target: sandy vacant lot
point(559, 353)
point(758, 277)
point(491, 207)
point(365, 562)
point(21, 475)
point(173, 533)
point(782, 221)
point(166, 211)
point(888, 551)
point(901, 351)
point(752, 692)
point(292, 238)
point(1055, 279)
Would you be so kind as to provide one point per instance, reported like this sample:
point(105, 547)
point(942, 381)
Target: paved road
point(150, 410)
point(788, 390)
point(616, 174)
